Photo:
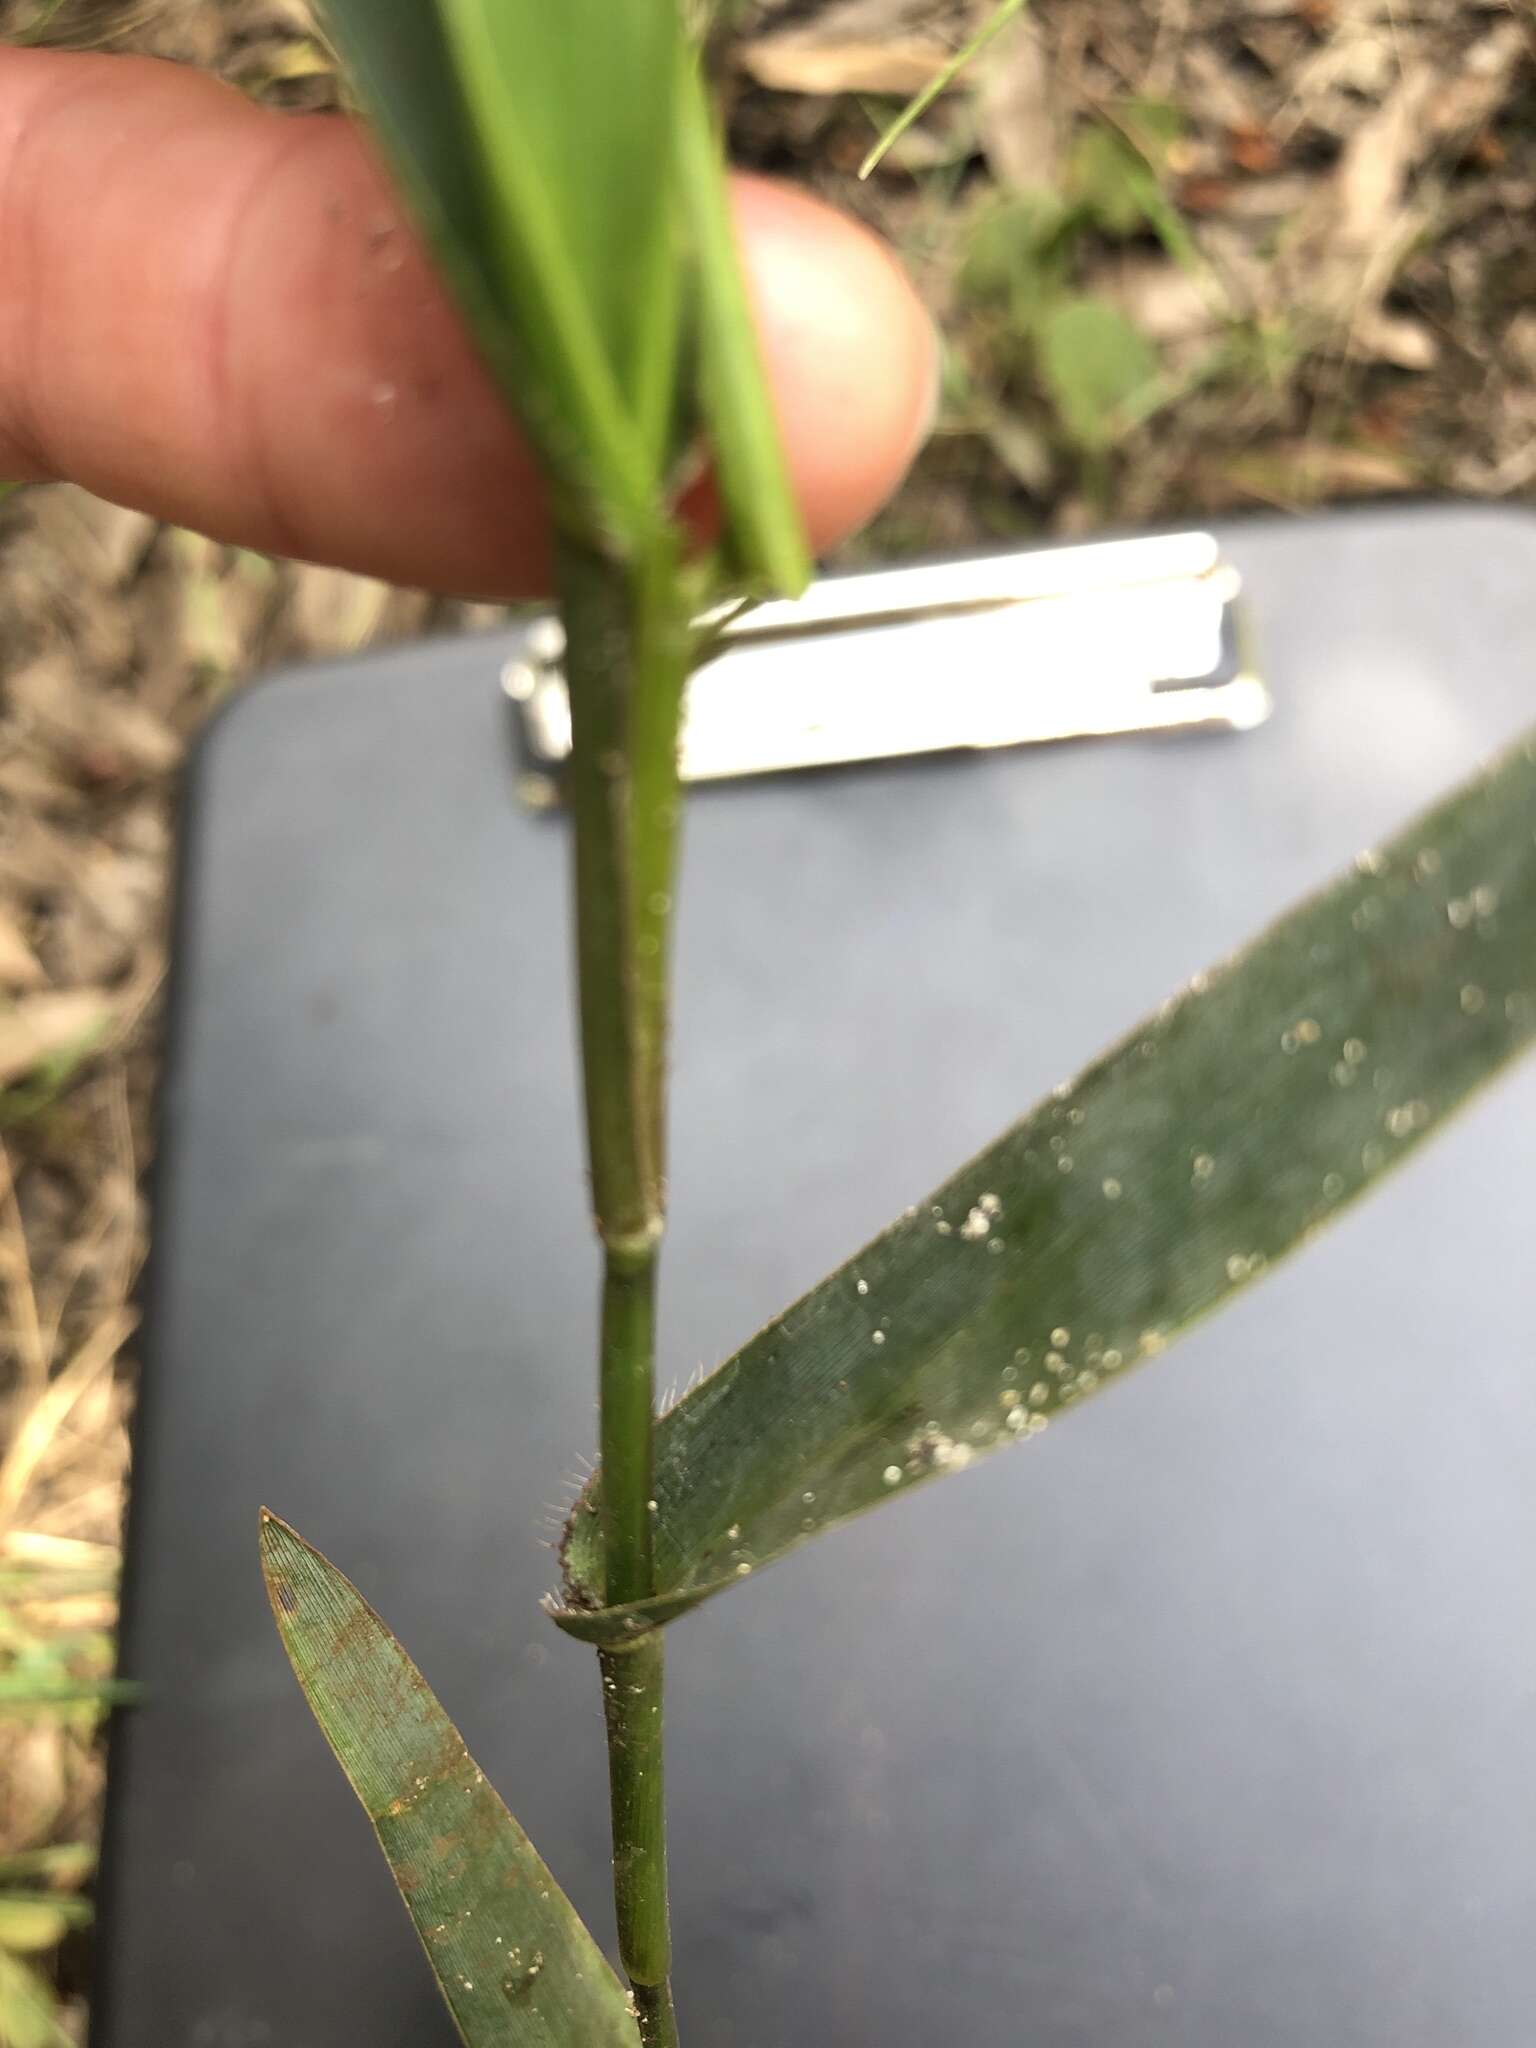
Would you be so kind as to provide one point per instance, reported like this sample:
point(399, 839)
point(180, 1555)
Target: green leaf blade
point(1097, 366)
point(534, 145)
point(564, 166)
point(514, 1962)
point(1190, 1158)
point(763, 527)
point(573, 109)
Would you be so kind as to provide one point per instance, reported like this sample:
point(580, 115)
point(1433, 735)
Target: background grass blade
point(516, 1965)
point(1205, 1146)
point(937, 87)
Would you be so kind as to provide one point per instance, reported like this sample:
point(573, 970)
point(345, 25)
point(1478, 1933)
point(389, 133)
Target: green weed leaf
point(1019, 261)
point(513, 1960)
point(1096, 366)
point(1115, 183)
point(1215, 1139)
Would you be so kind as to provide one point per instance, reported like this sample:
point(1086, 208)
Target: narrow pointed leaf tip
point(1216, 1138)
point(514, 1962)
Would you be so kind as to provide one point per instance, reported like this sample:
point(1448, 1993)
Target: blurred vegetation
point(56, 1653)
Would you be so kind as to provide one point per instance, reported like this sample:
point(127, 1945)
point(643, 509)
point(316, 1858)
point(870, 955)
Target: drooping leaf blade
point(514, 1962)
point(1216, 1138)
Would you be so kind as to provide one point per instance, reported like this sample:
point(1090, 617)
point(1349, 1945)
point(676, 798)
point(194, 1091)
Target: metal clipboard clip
point(1002, 650)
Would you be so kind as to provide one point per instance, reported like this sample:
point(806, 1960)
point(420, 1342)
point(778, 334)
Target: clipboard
point(1209, 1723)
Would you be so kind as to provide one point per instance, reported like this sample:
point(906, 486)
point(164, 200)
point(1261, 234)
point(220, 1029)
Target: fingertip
point(850, 351)
point(216, 313)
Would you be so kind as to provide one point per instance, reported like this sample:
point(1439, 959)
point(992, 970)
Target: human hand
point(218, 314)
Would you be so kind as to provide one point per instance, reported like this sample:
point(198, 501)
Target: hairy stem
point(629, 647)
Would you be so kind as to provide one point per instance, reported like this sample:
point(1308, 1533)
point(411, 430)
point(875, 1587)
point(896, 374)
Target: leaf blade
point(513, 1960)
point(1210, 1142)
point(535, 154)
point(763, 525)
point(572, 124)
point(1097, 365)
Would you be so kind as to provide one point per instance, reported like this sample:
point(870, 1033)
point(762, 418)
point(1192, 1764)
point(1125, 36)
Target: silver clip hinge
point(1003, 650)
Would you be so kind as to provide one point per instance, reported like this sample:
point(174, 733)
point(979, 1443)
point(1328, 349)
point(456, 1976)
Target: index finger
point(218, 314)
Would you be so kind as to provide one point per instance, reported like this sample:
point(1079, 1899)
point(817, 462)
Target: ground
point(1187, 257)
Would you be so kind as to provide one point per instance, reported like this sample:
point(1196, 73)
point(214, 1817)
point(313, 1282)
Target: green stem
point(627, 1399)
point(632, 1710)
point(658, 2020)
point(629, 648)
